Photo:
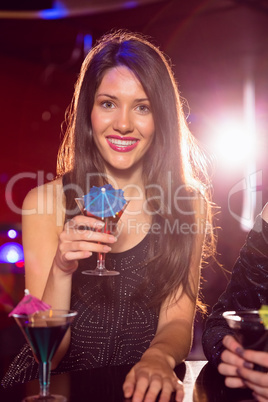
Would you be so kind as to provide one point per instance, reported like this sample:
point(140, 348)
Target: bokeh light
point(232, 145)
point(12, 234)
point(59, 10)
point(11, 253)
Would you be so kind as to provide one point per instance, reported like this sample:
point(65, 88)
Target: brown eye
point(143, 109)
point(107, 104)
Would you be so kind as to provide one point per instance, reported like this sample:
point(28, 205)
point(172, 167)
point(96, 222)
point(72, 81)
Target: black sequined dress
point(247, 289)
point(115, 323)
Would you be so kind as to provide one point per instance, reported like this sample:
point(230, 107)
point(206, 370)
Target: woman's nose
point(123, 122)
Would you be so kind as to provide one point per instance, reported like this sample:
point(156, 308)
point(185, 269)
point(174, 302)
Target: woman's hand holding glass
point(237, 366)
point(79, 239)
point(256, 380)
point(231, 361)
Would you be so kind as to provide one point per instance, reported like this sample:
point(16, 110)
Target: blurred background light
point(250, 196)
point(12, 234)
point(19, 264)
point(11, 253)
point(231, 144)
point(131, 4)
point(88, 40)
point(58, 11)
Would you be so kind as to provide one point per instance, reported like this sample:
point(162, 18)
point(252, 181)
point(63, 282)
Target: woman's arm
point(170, 346)
point(42, 222)
point(52, 250)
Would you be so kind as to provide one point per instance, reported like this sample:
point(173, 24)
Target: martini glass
point(44, 331)
point(249, 331)
point(110, 225)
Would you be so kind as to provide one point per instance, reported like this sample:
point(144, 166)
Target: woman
point(247, 289)
point(125, 127)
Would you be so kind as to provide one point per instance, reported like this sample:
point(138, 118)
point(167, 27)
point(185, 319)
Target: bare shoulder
point(43, 194)
point(45, 203)
point(265, 212)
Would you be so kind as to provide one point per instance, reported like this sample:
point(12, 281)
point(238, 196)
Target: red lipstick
point(122, 144)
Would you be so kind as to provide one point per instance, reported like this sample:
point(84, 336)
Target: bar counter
point(201, 381)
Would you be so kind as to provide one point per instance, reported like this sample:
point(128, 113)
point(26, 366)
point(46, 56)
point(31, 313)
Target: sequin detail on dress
point(114, 325)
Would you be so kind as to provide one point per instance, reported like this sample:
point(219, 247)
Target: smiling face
point(122, 121)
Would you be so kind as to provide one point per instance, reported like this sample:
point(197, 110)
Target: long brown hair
point(174, 162)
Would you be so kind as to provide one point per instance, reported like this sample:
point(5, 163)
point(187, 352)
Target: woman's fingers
point(84, 245)
point(80, 221)
point(231, 360)
point(87, 229)
point(254, 377)
point(155, 386)
point(227, 369)
point(129, 384)
point(233, 354)
point(80, 238)
point(234, 382)
point(231, 344)
point(256, 357)
point(145, 388)
point(141, 387)
point(180, 391)
point(256, 381)
point(259, 398)
point(237, 367)
point(168, 387)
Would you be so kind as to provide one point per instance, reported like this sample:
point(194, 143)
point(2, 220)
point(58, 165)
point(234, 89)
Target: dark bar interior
point(219, 53)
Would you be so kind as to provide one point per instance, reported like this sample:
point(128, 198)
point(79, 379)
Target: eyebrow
point(115, 97)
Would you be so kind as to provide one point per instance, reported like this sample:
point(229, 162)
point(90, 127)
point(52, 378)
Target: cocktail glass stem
point(101, 261)
point(44, 378)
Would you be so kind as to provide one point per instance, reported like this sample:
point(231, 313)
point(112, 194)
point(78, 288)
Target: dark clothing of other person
point(247, 289)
